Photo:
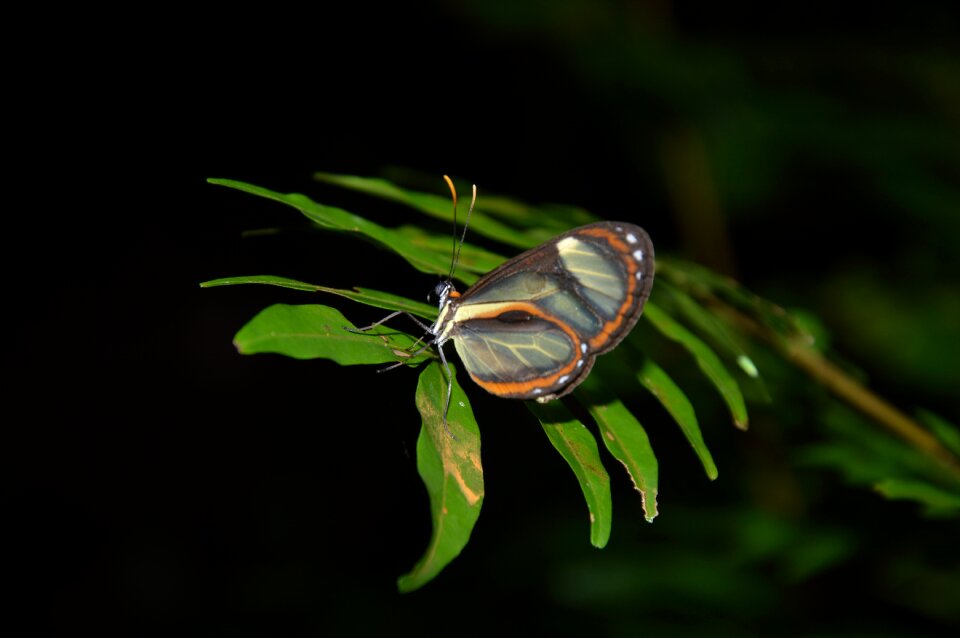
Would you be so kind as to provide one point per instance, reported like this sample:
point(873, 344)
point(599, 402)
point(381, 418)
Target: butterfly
point(533, 327)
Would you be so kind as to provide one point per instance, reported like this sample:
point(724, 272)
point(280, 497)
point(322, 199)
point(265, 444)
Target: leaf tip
point(649, 506)
point(407, 584)
point(747, 365)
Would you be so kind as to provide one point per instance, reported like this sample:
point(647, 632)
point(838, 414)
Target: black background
point(164, 483)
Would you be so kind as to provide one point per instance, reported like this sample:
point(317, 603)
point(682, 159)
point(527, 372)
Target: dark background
point(162, 482)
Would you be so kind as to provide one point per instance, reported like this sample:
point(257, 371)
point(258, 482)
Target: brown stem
point(852, 392)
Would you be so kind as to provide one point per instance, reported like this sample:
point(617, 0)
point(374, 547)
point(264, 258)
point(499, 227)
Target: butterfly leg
point(388, 318)
point(400, 363)
point(424, 326)
point(446, 407)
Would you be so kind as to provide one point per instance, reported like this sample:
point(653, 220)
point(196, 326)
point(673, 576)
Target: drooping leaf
point(669, 394)
point(707, 360)
point(321, 332)
point(448, 461)
point(577, 446)
point(624, 437)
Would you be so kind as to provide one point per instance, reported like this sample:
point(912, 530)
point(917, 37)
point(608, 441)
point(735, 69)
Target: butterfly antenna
point(454, 252)
point(466, 223)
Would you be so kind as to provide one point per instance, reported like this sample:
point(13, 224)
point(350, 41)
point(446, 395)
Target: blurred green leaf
point(552, 219)
point(864, 455)
point(867, 457)
point(448, 461)
point(579, 449)
point(321, 332)
point(866, 310)
point(707, 324)
point(702, 283)
point(948, 433)
point(706, 359)
point(938, 502)
point(473, 258)
point(438, 207)
point(624, 437)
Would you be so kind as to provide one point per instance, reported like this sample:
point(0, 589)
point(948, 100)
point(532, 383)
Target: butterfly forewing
point(532, 327)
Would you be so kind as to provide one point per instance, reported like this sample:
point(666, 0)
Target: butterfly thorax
point(446, 294)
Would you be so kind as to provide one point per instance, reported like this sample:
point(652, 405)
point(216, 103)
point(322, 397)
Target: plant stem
point(860, 397)
point(852, 392)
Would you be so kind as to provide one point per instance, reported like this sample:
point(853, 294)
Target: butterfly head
point(443, 293)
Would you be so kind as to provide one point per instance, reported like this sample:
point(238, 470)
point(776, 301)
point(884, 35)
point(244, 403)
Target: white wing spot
point(631, 238)
point(580, 363)
point(638, 255)
point(639, 275)
point(619, 229)
point(537, 391)
point(583, 348)
point(564, 378)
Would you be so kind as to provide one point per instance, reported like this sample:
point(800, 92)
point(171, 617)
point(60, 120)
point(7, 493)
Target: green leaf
point(707, 360)
point(270, 280)
point(551, 218)
point(669, 394)
point(385, 300)
point(472, 258)
point(321, 332)
point(579, 449)
point(428, 261)
point(624, 437)
point(439, 207)
point(703, 320)
point(368, 296)
point(948, 433)
point(937, 501)
point(449, 464)
point(701, 282)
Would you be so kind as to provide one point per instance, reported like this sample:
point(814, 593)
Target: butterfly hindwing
point(523, 358)
point(532, 327)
